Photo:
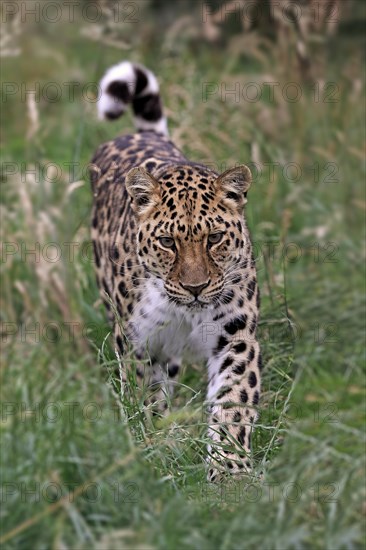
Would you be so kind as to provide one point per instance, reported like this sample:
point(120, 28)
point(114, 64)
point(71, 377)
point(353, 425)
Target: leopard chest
point(169, 331)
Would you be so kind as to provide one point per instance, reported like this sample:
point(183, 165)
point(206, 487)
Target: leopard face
point(191, 231)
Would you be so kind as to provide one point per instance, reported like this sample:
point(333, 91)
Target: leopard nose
point(196, 289)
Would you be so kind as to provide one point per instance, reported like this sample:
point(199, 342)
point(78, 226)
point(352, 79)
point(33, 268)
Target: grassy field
point(81, 468)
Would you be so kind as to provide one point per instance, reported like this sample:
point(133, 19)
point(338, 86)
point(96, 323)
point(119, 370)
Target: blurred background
point(278, 85)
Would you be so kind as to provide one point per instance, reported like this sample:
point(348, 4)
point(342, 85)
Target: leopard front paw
point(231, 465)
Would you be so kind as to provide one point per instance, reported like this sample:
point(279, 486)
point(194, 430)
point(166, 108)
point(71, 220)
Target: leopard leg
point(233, 395)
point(155, 379)
point(162, 377)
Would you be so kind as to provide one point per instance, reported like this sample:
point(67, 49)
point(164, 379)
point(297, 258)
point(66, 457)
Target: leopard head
point(191, 230)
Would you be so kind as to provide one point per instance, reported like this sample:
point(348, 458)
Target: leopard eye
point(167, 242)
point(215, 238)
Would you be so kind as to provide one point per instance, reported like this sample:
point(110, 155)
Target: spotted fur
point(174, 260)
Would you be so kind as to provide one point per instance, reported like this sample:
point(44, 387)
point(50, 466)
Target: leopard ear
point(234, 184)
point(143, 189)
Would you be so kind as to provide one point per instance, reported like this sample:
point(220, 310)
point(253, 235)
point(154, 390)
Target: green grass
point(65, 422)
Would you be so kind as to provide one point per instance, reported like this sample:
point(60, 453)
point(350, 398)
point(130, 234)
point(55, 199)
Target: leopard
point(175, 267)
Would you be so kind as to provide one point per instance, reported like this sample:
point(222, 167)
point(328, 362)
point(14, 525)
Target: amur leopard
point(175, 266)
